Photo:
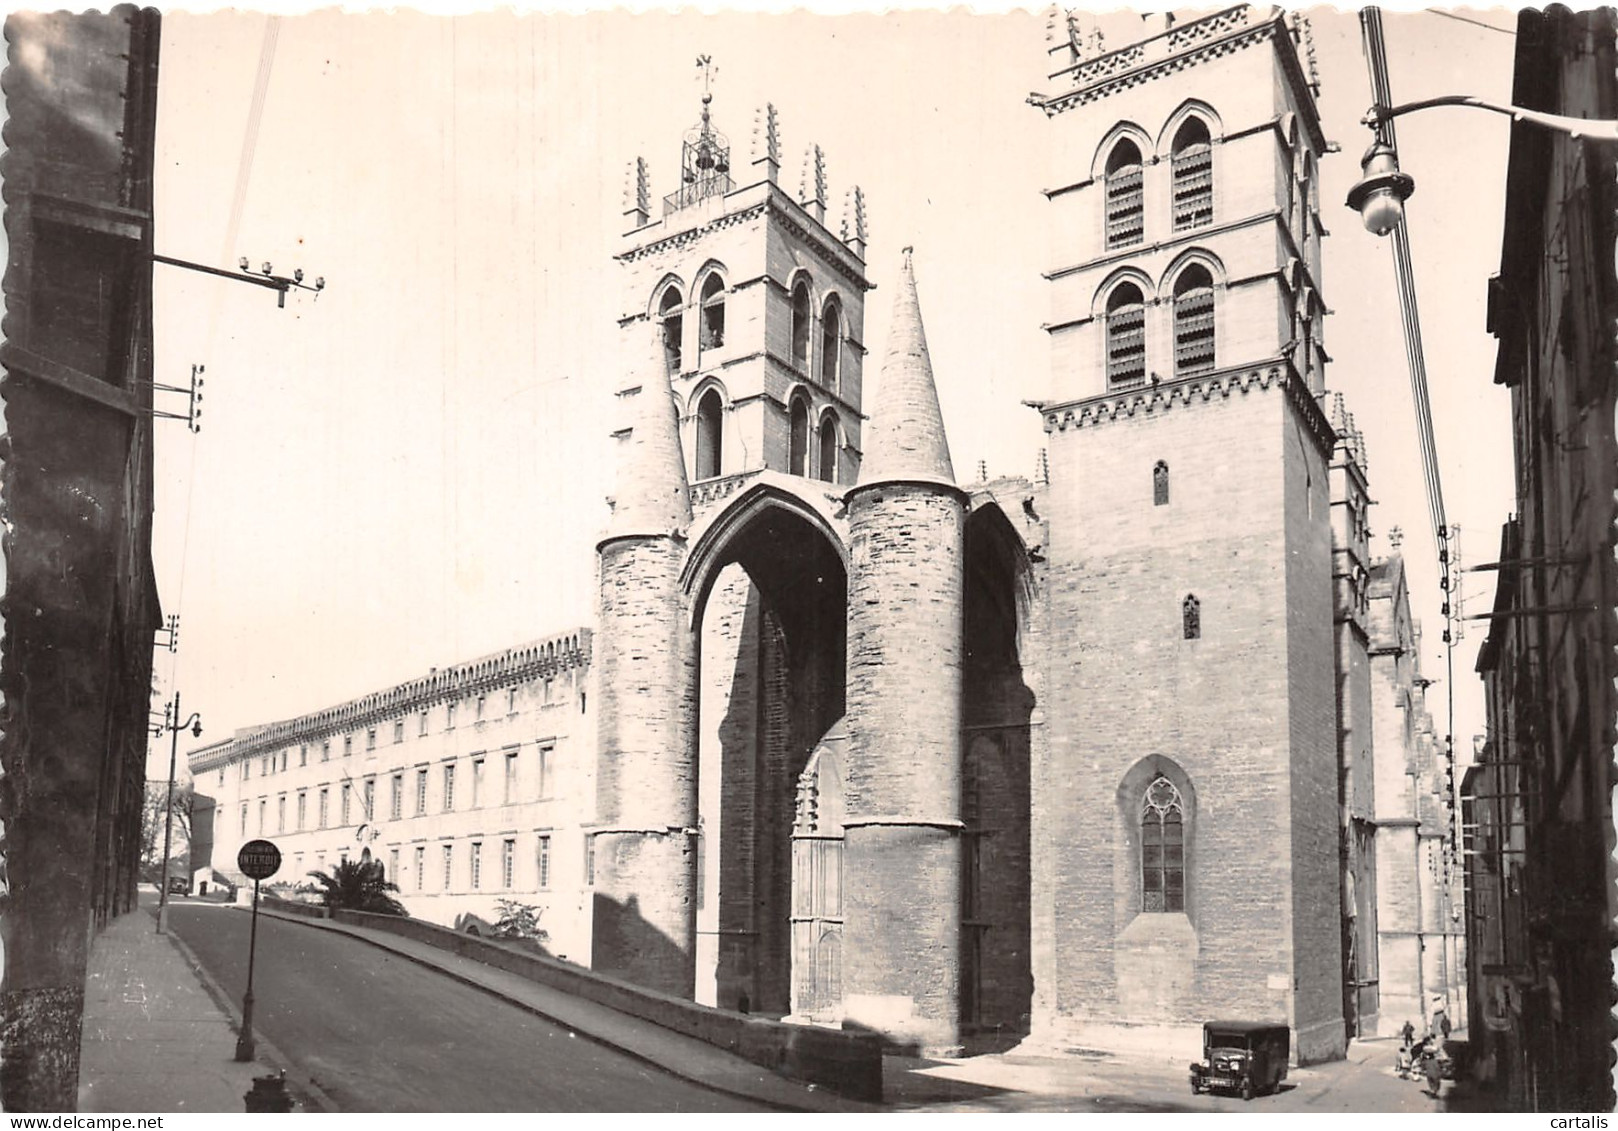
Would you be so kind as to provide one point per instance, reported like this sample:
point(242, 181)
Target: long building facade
point(1084, 757)
point(469, 785)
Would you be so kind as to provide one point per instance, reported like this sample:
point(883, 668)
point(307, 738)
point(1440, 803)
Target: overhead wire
point(1468, 20)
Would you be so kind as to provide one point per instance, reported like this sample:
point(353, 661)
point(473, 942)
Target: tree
point(153, 822)
point(358, 885)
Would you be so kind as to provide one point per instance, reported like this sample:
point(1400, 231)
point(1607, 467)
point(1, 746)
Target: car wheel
point(1247, 1089)
point(1196, 1088)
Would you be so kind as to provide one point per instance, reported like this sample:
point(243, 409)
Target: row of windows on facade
point(711, 328)
point(475, 879)
point(278, 761)
point(510, 794)
point(1193, 329)
point(1192, 165)
point(710, 437)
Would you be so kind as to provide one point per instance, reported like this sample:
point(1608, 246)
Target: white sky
point(410, 471)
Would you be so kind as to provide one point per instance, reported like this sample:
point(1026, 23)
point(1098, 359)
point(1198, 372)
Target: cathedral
point(1086, 757)
point(1032, 755)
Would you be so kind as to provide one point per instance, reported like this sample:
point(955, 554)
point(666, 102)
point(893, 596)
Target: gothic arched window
point(800, 326)
point(713, 312)
point(1160, 484)
point(1193, 176)
point(669, 312)
point(831, 335)
point(798, 442)
point(1126, 336)
point(710, 434)
point(1191, 617)
point(1193, 322)
point(1162, 848)
point(1126, 196)
point(828, 448)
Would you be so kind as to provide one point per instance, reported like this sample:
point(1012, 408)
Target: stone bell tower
point(760, 304)
point(1190, 786)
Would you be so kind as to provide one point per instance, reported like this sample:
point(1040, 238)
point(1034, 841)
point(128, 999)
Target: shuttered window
point(1126, 337)
point(1126, 196)
point(1193, 323)
point(1126, 207)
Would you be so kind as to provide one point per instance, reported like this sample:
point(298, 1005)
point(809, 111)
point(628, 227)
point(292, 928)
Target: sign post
point(258, 860)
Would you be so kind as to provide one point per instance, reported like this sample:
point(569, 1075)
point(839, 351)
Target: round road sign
point(258, 859)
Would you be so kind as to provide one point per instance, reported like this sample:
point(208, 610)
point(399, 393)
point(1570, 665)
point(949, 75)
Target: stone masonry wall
point(1316, 883)
point(1123, 684)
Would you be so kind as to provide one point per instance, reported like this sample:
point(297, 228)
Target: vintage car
point(1249, 1057)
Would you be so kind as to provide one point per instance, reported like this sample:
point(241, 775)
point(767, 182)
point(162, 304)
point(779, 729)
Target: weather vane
point(708, 72)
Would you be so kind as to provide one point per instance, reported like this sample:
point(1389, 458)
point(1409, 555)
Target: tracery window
point(1160, 484)
point(1191, 617)
point(1126, 196)
point(1162, 848)
point(1193, 176)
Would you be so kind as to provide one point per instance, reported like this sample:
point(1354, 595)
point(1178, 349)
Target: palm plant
point(358, 885)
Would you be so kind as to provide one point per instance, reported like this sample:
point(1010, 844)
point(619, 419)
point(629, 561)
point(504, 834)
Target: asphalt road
point(380, 1033)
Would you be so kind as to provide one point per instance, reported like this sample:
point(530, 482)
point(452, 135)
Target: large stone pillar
point(902, 862)
point(646, 659)
point(902, 852)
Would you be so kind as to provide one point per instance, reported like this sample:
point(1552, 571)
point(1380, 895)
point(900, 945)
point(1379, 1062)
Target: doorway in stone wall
point(770, 612)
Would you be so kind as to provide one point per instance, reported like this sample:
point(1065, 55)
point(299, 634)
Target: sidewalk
point(154, 1038)
point(673, 1052)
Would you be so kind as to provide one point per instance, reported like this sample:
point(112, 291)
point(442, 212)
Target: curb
point(571, 1027)
point(302, 1087)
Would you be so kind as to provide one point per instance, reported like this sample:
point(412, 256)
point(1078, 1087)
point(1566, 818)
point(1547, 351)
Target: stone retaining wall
point(846, 1062)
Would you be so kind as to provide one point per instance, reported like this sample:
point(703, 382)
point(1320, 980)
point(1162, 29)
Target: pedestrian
point(1429, 1067)
point(1443, 1025)
point(1408, 1034)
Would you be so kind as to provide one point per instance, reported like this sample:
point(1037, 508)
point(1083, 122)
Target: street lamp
point(171, 723)
point(1380, 194)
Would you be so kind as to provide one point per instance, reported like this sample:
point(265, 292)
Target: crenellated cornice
point(1187, 392)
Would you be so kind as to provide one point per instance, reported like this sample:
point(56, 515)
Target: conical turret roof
point(906, 437)
point(653, 497)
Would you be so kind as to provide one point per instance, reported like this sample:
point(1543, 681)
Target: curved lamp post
point(171, 723)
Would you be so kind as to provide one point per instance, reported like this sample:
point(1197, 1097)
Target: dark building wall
point(1549, 663)
point(80, 605)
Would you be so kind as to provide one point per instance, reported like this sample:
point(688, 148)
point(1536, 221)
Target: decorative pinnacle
point(853, 230)
point(766, 136)
point(812, 186)
point(637, 189)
